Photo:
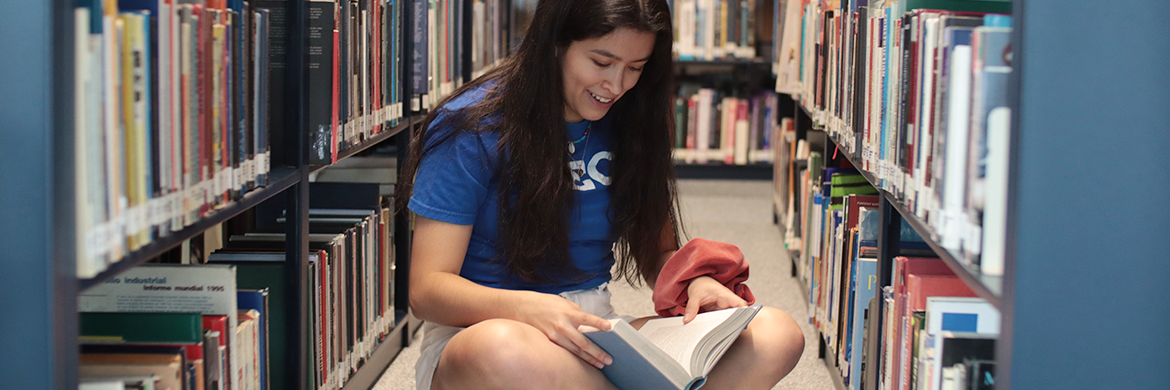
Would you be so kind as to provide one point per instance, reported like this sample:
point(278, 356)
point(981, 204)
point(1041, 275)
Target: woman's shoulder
point(468, 98)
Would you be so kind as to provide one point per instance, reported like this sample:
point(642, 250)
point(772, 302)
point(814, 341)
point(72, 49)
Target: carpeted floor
point(738, 212)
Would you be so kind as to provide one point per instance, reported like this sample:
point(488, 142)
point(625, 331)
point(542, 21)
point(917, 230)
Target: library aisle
point(738, 212)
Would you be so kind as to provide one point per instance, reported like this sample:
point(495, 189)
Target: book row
point(181, 104)
point(931, 323)
point(916, 91)
point(356, 55)
point(354, 64)
point(438, 51)
point(172, 117)
point(244, 287)
point(177, 350)
point(707, 30)
point(713, 127)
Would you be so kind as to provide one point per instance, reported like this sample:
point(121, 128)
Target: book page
point(678, 340)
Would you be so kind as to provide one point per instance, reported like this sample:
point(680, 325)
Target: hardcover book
point(207, 289)
point(665, 353)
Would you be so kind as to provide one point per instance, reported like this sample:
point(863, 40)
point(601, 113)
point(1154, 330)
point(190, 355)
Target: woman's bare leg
point(506, 354)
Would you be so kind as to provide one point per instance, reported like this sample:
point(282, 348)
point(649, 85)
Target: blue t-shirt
point(457, 183)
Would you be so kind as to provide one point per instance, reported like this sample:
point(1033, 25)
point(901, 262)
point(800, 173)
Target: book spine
point(418, 56)
point(319, 66)
point(276, 125)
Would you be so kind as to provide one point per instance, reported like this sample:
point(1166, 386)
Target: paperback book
point(665, 353)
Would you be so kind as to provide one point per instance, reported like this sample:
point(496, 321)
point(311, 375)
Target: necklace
point(586, 135)
point(580, 171)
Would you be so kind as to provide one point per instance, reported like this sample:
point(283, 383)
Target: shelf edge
point(971, 279)
point(384, 354)
point(163, 244)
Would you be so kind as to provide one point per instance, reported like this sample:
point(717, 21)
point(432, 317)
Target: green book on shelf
point(994, 6)
point(145, 328)
point(848, 179)
point(849, 184)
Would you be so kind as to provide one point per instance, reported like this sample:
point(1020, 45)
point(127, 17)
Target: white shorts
point(435, 337)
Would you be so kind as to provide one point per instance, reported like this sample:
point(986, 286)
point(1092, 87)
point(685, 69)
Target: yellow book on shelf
point(135, 90)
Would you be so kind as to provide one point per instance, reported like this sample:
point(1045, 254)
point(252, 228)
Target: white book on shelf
point(958, 121)
point(685, 13)
point(925, 108)
point(877, 78)
point(102, 384)
point(996, 192)
point(742, 137)
point(702, 139)
point(88, 263)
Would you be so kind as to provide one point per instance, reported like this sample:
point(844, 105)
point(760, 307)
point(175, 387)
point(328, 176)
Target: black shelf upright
point(299, 363)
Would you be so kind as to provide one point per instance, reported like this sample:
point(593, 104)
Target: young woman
point(531, 183)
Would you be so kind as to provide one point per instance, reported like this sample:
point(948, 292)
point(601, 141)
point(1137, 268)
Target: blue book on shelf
point(997, 20)
point(258, 300)
point(865, 288)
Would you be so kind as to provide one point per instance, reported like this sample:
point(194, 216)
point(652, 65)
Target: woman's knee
point(779, 337)
point(499, 351)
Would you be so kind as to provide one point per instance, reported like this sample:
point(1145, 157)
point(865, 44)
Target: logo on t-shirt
point(585, 175)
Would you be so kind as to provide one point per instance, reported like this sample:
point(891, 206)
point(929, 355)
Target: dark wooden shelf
point(987, 287)
point(730, 62)
point(280, 179)
point(806, 111)
point(723, 171)
point(406, 123)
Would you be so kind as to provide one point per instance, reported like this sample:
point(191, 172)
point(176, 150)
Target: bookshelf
point(1079, 298)
point(39, 345)
point(988, 287)
point(721, 68)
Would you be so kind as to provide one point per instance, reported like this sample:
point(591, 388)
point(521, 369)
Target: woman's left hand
point(707, 294)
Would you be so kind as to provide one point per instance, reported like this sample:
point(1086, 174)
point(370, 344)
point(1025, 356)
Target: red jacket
point(721, 261)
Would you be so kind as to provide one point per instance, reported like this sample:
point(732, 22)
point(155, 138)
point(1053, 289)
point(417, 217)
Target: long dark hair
point(535, 187)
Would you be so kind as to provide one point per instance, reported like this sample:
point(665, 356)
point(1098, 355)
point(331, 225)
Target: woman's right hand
point(558, 319)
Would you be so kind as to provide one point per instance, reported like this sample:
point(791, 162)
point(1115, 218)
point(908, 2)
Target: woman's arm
point(703, 293)
point(669, 245)
point(439, 294)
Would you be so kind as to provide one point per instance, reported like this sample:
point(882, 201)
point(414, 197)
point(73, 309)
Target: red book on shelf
point(218, 375)
point(918, 288)
point(903, 268)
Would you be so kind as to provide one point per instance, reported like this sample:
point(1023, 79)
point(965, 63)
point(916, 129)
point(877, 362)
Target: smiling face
point(598, 71)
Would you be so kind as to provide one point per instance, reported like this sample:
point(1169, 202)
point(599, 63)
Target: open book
point(664, 353)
